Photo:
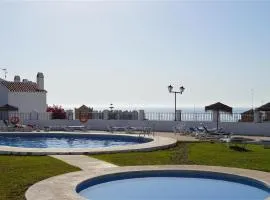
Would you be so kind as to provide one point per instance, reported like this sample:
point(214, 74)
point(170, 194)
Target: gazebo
point(247, 116)
point(5, 109)
point(266, 109)
point(218, 107)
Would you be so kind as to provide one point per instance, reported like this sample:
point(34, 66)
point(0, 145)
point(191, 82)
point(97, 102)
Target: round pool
point(164, 185)
point(67, 140)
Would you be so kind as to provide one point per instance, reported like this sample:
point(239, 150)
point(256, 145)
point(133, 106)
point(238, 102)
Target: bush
point(57, 112)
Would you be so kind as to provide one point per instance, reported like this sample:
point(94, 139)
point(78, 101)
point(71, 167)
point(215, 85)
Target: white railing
point(152, 116)
point(25, 116)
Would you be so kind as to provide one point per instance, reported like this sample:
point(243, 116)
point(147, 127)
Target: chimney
point(40, 80)
point(25, 81)
point(17, 78)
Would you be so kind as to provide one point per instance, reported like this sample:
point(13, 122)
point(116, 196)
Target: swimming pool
point(163, 185)
point(55, 140)
point(44, 143)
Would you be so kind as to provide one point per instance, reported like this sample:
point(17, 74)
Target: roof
point(21, 86)
point(84, 107)
point(265, 107)
point(8, 107)
point(251, 111)
point(219, 107)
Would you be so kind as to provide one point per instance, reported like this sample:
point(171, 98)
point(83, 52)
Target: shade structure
point(218, 107)
point(265, 107)
point(247, 116)
point(251, 111)
point(8, 107)
point(4, 110)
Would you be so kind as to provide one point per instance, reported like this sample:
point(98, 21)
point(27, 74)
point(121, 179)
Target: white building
point(26, 95)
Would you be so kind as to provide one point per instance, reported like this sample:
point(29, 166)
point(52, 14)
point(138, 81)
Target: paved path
point(62, 187)
point(85, 163)
point(177, 136)
point(181, 137)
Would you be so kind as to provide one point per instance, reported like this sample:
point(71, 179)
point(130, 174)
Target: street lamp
point(111, 107)
point(181, 90)
point(111, 115)
point(5, 71)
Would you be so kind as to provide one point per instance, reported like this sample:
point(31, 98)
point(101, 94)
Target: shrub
point(57, 112)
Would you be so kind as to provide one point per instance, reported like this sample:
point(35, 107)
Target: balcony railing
point(157, 116)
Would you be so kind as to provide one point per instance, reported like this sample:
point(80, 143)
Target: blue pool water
point(66, 140)
point(173, 188)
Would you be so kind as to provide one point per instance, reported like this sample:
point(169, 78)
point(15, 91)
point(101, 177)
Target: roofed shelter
point(83, 111)
point(216, 108)
point(5, 109)
point(266, 111)
point(247, 116)
point(265, 107)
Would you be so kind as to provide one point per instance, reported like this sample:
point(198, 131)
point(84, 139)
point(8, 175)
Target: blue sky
point(127, 52)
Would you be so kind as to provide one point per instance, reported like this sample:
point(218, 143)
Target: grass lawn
point(201, 153)
point(17, 173)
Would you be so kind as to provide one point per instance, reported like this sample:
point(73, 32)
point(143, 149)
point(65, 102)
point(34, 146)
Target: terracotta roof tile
point(21, 86)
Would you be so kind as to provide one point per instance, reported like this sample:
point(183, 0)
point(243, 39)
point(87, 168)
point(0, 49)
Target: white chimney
point(17, 78)
point(40, 80)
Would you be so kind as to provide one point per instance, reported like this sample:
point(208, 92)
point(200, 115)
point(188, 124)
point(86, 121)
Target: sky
point(127, 53)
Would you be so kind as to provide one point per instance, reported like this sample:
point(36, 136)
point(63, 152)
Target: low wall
point(241, 128)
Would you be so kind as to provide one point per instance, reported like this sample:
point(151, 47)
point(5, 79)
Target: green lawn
point(256, 157)
point(17, 173)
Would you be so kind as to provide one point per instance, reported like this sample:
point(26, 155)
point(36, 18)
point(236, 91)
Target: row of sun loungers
point(16, 129)
point(131, 129)
point(203, 133)
point(66, 128)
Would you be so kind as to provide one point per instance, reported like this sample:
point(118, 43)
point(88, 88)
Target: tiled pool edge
point(64, 186)
point(157, 143)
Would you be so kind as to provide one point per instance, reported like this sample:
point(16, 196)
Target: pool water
point(173, 188)
point(65, 141)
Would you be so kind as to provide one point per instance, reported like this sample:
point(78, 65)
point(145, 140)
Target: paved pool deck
point(157, 142)
point(64, 186)
point(182, 137)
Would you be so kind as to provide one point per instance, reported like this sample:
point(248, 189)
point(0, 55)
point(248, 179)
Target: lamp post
point(181, 90)
point(5, 72)
point(111, 115)
point(111, 107)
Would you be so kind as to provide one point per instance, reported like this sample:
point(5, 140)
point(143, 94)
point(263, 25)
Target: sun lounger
point(117, 128)
point(76, 128)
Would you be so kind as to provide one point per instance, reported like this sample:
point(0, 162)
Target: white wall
point(241, 128)
point(28, 101)
point(3, 95)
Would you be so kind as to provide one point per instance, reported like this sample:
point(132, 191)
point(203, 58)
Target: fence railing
point(205, 117)
point(25, 116)
point(157, 116)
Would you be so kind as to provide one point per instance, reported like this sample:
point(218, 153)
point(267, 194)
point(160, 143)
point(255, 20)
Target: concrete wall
point(242, 128)
point(3, 95)
point(28, 101)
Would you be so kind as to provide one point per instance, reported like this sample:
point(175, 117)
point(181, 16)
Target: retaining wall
point(241, 128)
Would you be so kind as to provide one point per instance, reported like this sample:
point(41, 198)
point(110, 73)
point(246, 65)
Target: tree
point(57, 112)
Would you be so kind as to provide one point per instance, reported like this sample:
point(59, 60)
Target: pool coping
point(157, 142)
point(64, 186)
